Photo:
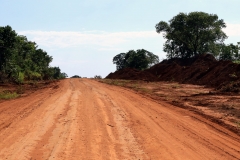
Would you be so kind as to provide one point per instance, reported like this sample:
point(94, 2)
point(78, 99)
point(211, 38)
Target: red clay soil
point(201, 70)
point(82, 119)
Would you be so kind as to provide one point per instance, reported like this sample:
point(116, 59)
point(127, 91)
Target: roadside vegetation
point(23, 66)
point(21, 60)
point(97, 77)
point(76, 76)
point(8, 95)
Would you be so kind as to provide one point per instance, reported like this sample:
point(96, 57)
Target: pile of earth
point(132, 74)
point(201, 70)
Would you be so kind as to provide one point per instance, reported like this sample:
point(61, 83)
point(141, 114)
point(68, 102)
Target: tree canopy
point(227, 52)
point(191, 34)
point(21, 59)
point(140, 59)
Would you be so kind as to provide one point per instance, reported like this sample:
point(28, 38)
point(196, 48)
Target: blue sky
point(83, 36)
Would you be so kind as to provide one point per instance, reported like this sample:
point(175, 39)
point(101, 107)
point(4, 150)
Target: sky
point(83, 36)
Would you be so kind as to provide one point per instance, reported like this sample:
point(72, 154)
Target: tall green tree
point(140, 59)
point(191, 34)
point(7, 43)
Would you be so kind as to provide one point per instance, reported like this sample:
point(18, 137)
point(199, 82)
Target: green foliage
point(98, 77)
point(228, 52)
point(20, 77)
point(140, 59)
point(191, 34)
point(8, 95)
point(120, 60)
point(21, 59)
point(237, 61)
point(63, 75)
point(76, 76)
point(30, 75)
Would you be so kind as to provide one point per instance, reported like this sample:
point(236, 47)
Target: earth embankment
point(200, 70)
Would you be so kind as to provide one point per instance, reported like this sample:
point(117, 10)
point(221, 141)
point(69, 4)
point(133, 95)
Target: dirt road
point(85, 119)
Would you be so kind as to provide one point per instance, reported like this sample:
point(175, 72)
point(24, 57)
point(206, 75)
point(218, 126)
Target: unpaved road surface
point(85, 119)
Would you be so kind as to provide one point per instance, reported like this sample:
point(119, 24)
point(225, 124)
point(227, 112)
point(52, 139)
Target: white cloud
point(232, 29)
point(106, 40)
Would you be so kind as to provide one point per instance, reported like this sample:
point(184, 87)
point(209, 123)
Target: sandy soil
point(219, 107)
point(86, 119)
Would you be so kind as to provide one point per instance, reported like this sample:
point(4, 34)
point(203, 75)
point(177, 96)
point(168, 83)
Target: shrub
point(8, 95)
point(98, 77)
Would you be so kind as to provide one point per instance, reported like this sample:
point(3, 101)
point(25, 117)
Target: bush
point(98, 77)
point(76, 76)
point(33, 75)
point(19, 78)
point(8, 95)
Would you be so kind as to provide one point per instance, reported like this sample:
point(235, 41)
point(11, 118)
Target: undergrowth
point(8, 95)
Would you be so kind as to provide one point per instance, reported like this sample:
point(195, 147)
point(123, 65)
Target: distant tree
point(76, 76)
point(120, 60)
point(229, 52)
point(63, 75)
point(98, 77)
point(191, 34)
point(140, 59)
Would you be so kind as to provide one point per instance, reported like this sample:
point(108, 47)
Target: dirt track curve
point(85, 119)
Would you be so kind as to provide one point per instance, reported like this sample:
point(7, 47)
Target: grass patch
point(114, 82)
point(8, 95)
point(135, 86)
point(145, 90)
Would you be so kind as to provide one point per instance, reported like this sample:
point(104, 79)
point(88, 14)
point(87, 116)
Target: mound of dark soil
point(201, 70)
point(132, 74)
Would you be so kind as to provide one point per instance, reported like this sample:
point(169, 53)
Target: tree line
point(21, 59)
point(187, 35)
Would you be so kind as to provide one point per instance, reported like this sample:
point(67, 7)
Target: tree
point(76, 76)
point(21, 59)
point(140, 59)
point(7, 43)
point(119, 60)
point(191, 34)
point(63, 75)
point(98, 77)
point(229, 52)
